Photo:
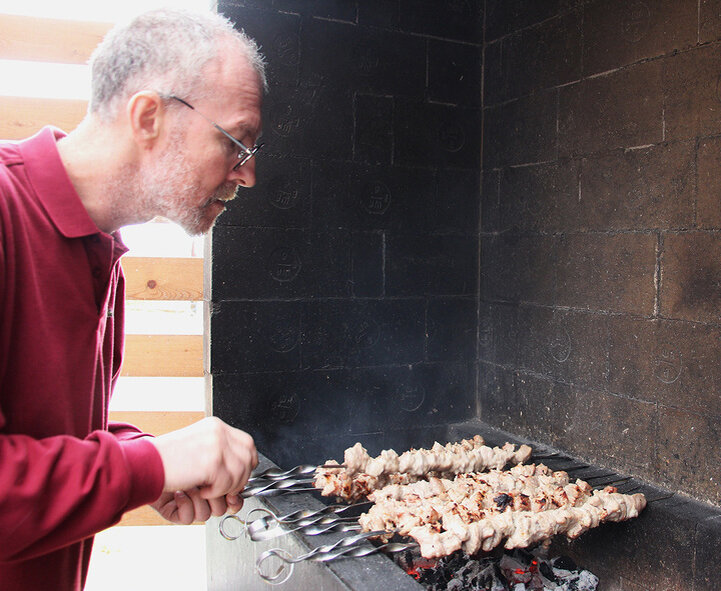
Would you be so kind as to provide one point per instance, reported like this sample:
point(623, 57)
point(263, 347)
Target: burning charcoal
point(564, 563)
point(547, 572)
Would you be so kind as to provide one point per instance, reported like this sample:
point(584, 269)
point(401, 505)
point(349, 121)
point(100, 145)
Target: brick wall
point(601, 251)
point(344, 300)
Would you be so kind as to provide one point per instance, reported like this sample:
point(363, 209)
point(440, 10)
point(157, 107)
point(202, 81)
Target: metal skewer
point(350, 547)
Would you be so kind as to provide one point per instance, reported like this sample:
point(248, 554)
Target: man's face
point(192, 179)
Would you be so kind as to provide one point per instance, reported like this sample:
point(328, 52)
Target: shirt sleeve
point(60, 490)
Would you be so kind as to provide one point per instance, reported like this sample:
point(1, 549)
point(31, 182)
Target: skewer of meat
point(468, 455)
point(473, 496)
point(521, 529)
point(361, 474)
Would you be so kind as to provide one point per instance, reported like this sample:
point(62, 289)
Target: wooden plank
point(145, 516)
point(49, 40)
point(22, 117)
point(163, 356)
point(157, 422)
point(155, 278)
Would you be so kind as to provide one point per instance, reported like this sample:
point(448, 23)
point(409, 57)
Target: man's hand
point(186, 507)
point(207, 465)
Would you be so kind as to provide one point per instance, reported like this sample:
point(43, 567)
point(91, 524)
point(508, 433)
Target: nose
point(244, 175)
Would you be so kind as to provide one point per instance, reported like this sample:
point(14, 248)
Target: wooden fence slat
point(22, 116)
point(49, 40)
point(145, 516)
point(163, 356)
point(154, 278)
point(157, 422)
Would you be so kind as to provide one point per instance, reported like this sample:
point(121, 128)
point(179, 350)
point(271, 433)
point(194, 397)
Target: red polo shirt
point(65, 472)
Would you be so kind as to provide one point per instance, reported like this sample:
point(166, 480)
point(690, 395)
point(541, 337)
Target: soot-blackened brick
point(438, 394)
point(255, 336)
point(518, 268)
point(259, 263)
point(567, 346)
point(542, 197)
point(373, 139)
point(498, 334)
point(640, 189)
point(666, 362)
point(691, 93)
point(455, 206)
point(451, 326)
point(360, 333)
point(506, 16)
point(546, 409)
point(619, 110)
point(309, 122)
point(708, 206)
point(691, 272)
point(617, 32)
point(462, 19)
point(454, 73)
point(490, 205)
point(431, 265)
point(281, 197)
point(434, 135)
point(499, 403)
point(367, 275)
point(360, 197)
point(360, 59)
point(379, 13)
point(614, 273)
point(709, 21)
point(606, 429)
point(521, 131)
point(278, 36)
point(687, 454)
point(543, 56)
point(707, 572)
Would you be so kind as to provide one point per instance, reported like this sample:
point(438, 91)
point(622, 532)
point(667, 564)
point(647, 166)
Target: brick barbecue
point(502, 214)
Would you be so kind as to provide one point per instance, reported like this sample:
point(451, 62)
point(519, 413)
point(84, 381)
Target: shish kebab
point(360, 474)
point(540, 503)
point(524, 505)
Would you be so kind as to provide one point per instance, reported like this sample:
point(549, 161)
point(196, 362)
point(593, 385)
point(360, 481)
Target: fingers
point(234, 503)
point(184, 509)
point(210, 456)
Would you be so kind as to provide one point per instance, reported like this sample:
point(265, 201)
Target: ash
point(517, 570)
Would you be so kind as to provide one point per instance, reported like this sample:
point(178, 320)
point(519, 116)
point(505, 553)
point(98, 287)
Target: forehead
point(235, 89)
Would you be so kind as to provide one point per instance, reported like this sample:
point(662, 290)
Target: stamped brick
point(511, 275)
point(541, 197)
point(647, 188)
point(620, 110)
point(620, 32)
point(691, 88)
point(535, 58)
point(523, 131)
point(708, 209)
point(568, 346)
point(687, 460)
point(615, 273)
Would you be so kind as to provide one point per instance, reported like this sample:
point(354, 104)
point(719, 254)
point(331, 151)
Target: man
point(171, 130)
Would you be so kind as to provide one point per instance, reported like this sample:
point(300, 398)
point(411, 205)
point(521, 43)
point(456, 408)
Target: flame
point(414, 572)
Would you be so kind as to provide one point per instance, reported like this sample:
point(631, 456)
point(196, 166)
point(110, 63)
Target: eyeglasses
point(246, 152)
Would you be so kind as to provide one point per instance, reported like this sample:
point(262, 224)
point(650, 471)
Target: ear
point(145, 112)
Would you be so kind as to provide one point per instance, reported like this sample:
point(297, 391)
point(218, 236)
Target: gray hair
point(163, 50)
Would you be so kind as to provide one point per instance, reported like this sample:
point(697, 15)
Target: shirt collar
point(52, 185)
